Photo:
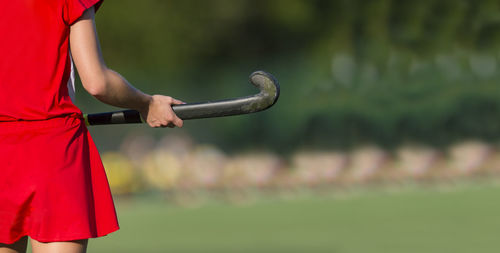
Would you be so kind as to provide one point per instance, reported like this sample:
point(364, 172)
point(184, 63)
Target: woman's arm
point(107, 85)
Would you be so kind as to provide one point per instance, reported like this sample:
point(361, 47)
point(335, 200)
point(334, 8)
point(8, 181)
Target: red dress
point(52, 183)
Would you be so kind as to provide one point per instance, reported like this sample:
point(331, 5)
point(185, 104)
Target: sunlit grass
point(456, 218)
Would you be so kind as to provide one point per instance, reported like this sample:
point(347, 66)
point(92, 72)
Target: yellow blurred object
point(120, 172)
point(163, 169)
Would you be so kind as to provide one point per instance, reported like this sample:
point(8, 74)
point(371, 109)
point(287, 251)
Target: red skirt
point(52, 182)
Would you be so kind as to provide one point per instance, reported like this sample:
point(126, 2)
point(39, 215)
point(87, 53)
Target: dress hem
point(66, 238)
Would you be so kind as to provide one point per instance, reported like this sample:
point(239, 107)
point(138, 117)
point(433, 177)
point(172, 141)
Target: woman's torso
point(34, 65)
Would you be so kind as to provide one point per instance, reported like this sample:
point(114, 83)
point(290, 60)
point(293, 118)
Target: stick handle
point(118, 117)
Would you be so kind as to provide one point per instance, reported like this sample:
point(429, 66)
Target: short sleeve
point(75, 8)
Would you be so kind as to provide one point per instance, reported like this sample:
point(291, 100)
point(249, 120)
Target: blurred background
point(385, 137)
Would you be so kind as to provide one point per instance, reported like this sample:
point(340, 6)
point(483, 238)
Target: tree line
point(352, 71)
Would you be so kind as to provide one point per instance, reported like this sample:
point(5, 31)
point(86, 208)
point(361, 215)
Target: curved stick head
point(268, 86)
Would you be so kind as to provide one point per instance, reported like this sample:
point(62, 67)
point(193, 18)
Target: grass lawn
point(461, 218)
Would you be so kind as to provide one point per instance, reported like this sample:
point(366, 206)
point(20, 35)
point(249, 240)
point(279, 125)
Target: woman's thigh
point(17, 247)
point(79, 246)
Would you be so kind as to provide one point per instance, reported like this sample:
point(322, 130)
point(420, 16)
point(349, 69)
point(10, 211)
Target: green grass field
point(460, 218)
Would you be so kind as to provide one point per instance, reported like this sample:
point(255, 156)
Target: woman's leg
point(17, 247)
point(79, 246)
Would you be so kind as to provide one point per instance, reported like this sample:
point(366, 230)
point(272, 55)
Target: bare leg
point(79, 246)
point(17, 247)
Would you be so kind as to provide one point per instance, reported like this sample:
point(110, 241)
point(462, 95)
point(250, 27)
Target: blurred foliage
point(181, 35)
point(352, 71)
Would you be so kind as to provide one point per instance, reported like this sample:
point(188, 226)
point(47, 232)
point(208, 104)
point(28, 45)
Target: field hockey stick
point(267, 97)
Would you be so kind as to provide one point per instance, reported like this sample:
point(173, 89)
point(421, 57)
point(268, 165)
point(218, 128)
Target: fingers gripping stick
point(267, 97)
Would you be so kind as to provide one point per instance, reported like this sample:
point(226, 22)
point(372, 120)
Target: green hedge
point(405, 75)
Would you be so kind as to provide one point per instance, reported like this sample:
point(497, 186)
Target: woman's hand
point(159, 113)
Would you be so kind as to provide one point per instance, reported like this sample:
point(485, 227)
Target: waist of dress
point(53, 122)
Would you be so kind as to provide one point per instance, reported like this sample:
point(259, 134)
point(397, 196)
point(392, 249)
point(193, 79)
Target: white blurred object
point(416, 161)
point(469, 157)
point(204, 167)
point(251, 170)
point(365, 162)
point(318, 167)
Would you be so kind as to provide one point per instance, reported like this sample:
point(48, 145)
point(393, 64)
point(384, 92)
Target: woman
point(53, 189)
